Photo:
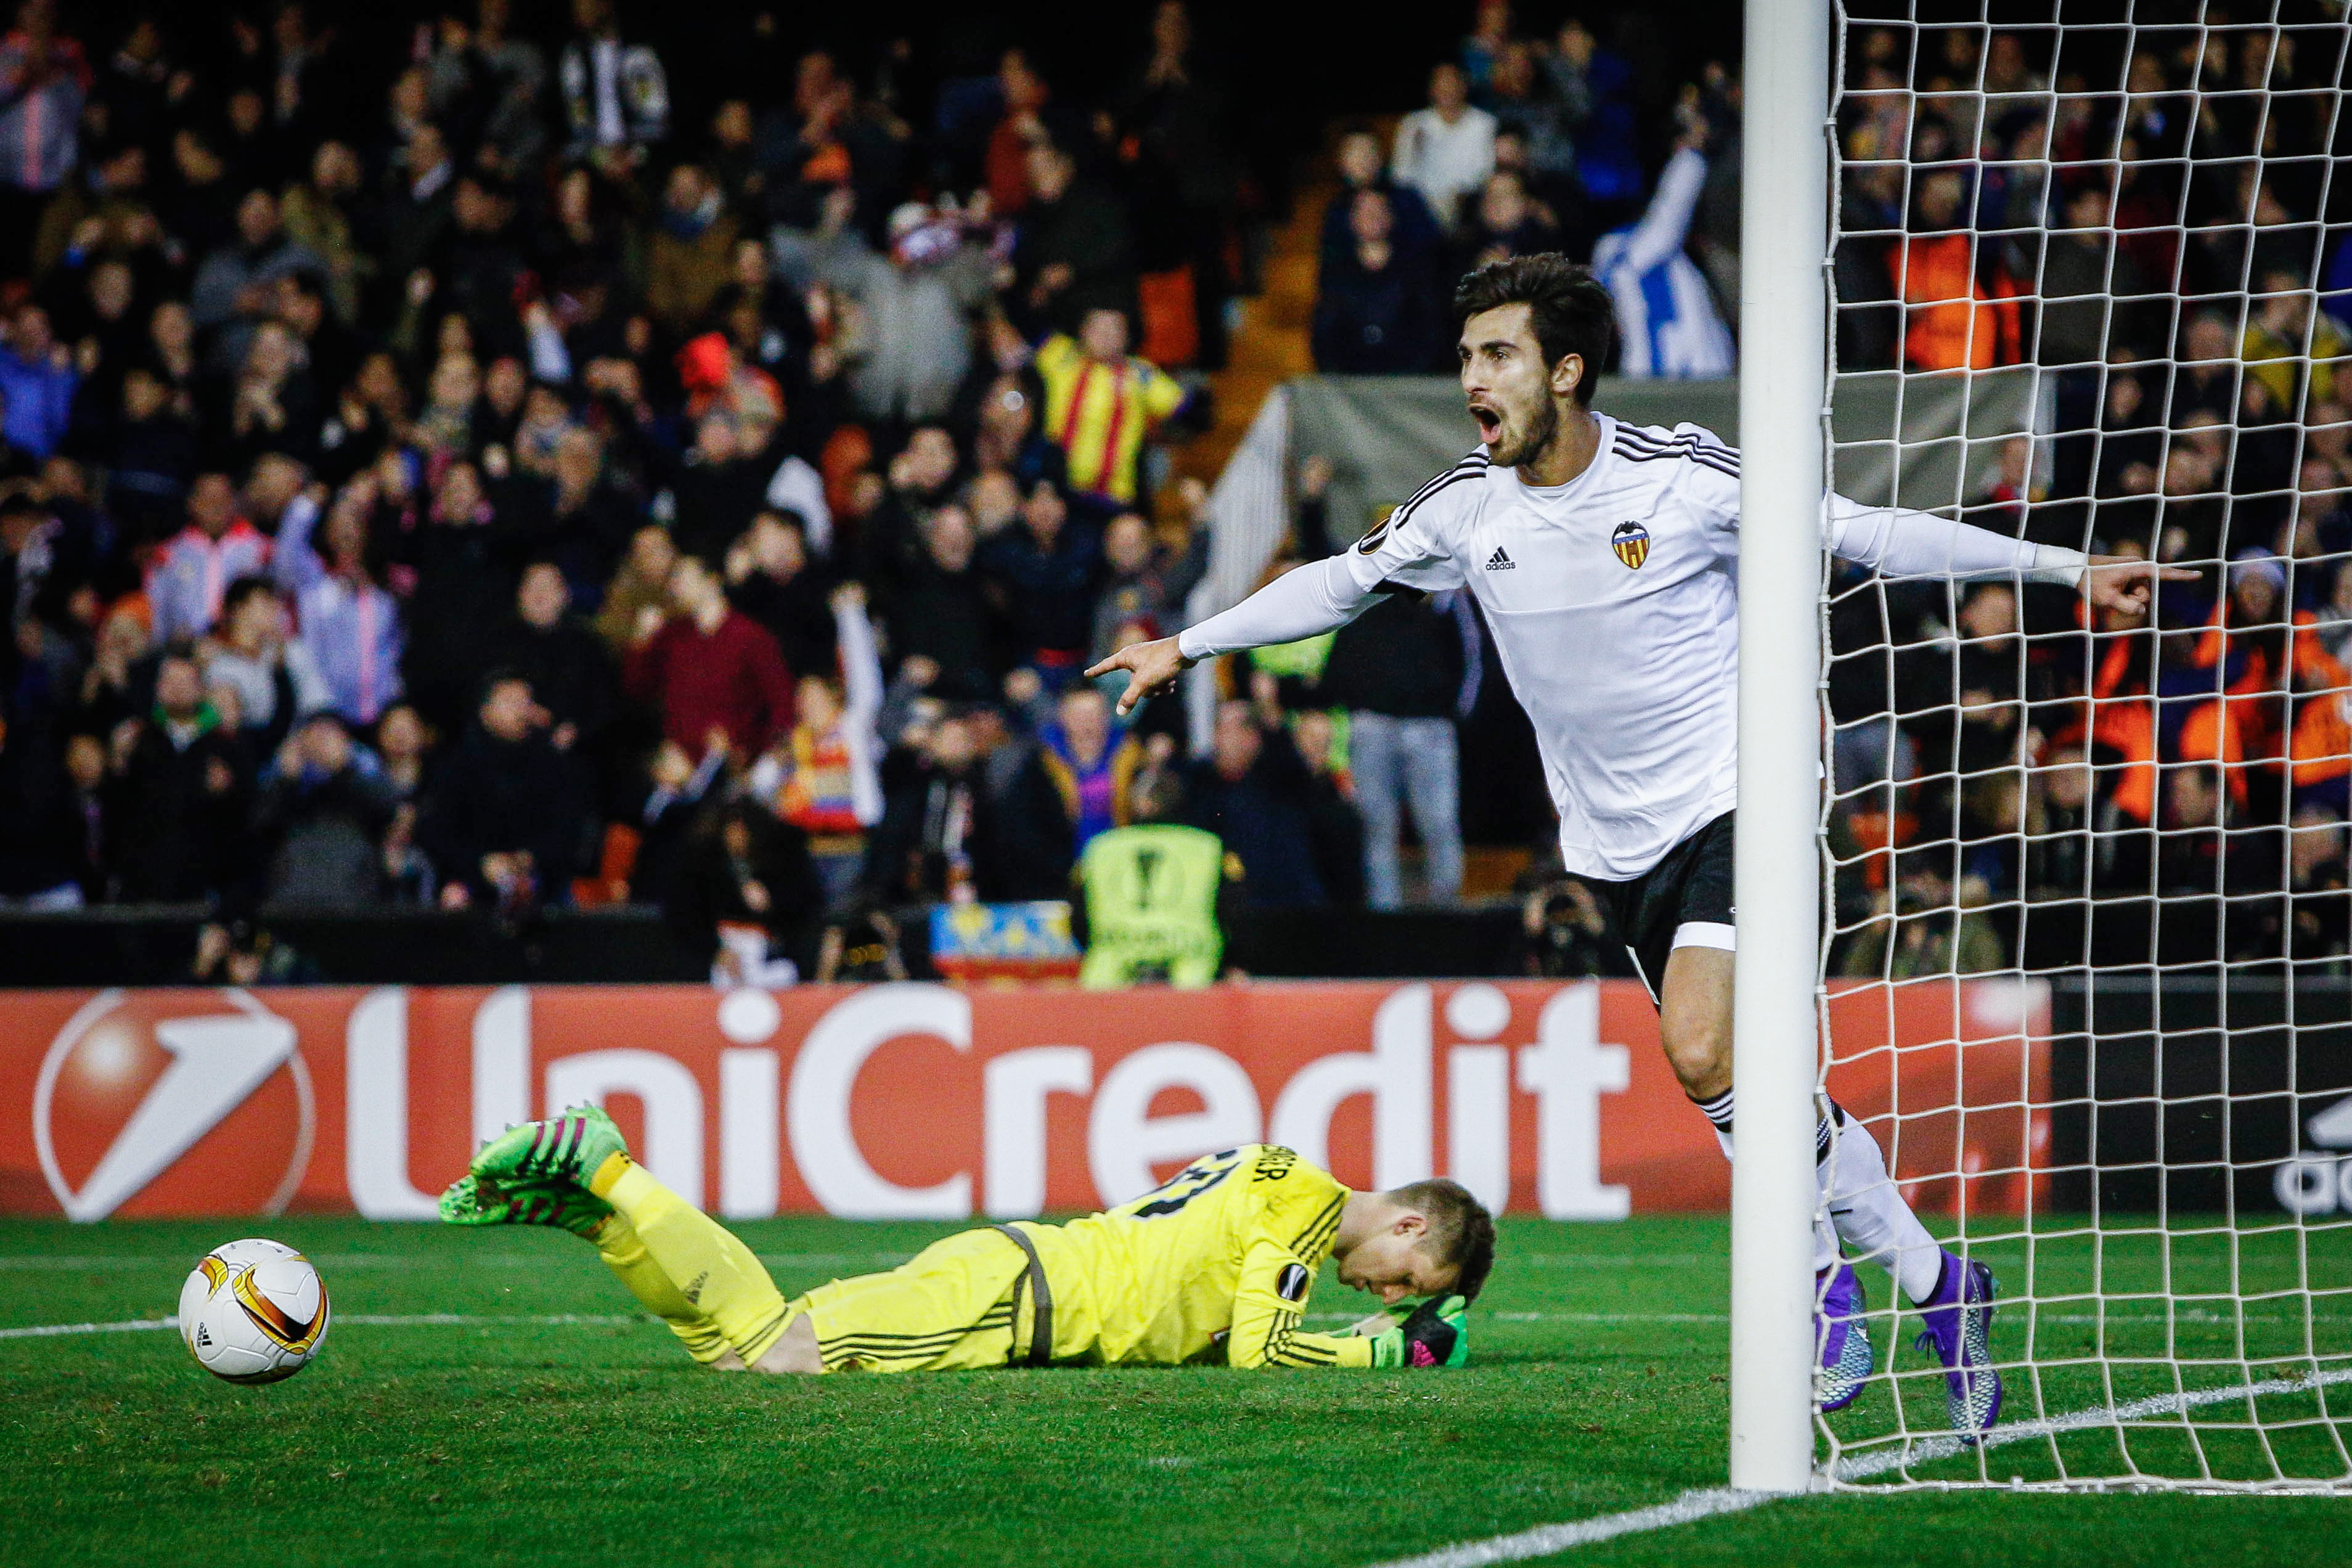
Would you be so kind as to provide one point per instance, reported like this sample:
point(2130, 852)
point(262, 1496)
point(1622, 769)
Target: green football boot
point(566, 1148)
point(484, 1200)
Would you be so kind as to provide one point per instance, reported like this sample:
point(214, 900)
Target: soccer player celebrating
point(1215, 1266)
point(1605, 556)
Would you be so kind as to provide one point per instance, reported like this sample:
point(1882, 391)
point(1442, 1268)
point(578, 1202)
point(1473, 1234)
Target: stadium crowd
point(441, 476)
point(2144, 215)
point(2147, 218)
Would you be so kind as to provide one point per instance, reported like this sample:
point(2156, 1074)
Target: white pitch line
point(50, 1331)
point(1864, 1466)
point(365, 1319)
point(1547, 1539)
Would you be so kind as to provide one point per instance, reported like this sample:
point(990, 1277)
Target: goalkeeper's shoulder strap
point(1032, 1278)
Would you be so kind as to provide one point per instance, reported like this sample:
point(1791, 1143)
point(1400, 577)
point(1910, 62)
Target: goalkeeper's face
point(1397, 1263)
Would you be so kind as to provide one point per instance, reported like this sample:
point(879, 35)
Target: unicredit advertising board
point(928, 1102)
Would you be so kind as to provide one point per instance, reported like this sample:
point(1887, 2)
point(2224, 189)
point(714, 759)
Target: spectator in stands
point(1445, 150)
point(505, 819)
point(938, 614)
point(1362, 168)
point(720, 488)
point(464, 575)
point(1334, 827)
point(1045, 567)
point(1375, 303)
point(941, 836)
point(274, 681)
point(615, 94)
point(44, 81)
point(191, 573)
point(36, 383)
point(1666, 320)
point(181, 793)
point(2290, 348)
point(1963, 314)
point(769, 579)
point(45, 859)
point(570, 672)
point(236, 286)
point(1075, 251)
point(352, 635)
point(321, 819)
point(747, 894)
point(825, 777)
point(1092, 764)
point(917, 300)
point(1406, 670)
point(1507, 223)
point(693, 249)
point(715, 679)
point(2087, 283)
point(1252, 792)
point(1144, 581)
point(636, 601)
point(149, 450)
point(1102, 404)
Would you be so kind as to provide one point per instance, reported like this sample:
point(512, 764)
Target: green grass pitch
point(578, 1431)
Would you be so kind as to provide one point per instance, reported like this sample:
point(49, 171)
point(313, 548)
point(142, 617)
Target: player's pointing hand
point(1152, 669)
point(2121, 582)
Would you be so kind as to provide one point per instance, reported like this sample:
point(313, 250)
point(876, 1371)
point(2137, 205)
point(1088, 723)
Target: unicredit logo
point(204, 1098)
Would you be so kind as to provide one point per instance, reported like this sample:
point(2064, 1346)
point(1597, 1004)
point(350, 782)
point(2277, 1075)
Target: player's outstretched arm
point(1900, 543)
point(1305, 602)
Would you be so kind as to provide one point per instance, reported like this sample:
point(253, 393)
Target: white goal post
point(2099, 268)
point(1777, 870)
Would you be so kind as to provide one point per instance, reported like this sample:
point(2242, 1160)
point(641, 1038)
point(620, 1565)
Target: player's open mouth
point(1490, 424)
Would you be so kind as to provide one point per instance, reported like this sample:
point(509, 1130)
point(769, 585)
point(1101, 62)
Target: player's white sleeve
point(1408, 550)
point(1307, 600)
point(1899, 543)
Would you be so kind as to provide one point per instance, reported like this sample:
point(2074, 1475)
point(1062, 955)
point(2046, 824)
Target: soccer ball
point(253, 1312)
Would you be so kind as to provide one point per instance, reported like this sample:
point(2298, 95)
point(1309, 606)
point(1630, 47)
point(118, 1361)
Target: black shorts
point(1684, 900)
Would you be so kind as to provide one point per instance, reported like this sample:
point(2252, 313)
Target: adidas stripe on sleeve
point(1413, 548)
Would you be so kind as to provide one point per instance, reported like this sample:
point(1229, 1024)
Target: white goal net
point(2091, 286)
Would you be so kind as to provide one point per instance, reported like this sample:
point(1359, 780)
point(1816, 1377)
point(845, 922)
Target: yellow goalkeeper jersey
point(1213, 1266)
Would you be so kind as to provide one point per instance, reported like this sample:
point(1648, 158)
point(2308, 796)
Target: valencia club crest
point(1632, 542)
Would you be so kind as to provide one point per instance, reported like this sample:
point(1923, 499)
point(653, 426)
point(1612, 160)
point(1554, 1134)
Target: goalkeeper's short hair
point(1461, 1231)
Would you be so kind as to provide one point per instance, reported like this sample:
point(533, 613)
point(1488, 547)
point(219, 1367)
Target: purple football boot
point(1958, 1318)
point(1841, 1337)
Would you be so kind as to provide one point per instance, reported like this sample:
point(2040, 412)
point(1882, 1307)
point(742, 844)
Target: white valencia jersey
point(1615, 606)
point(1614, 603)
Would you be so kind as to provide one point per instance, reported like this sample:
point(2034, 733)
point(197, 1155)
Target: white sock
point(1825, 1241)
point(1719, 1111)
point(1870, 1214)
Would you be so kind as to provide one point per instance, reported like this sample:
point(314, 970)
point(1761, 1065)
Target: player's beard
point(1542, 427)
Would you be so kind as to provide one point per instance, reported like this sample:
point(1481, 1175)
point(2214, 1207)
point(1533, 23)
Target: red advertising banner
point(931, 1101)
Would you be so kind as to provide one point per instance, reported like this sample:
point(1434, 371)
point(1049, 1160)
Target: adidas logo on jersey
point(1501, 561)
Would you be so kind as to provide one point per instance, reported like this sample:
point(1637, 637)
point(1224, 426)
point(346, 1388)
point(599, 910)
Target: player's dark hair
point(1461, 1231)
point(1571, 309)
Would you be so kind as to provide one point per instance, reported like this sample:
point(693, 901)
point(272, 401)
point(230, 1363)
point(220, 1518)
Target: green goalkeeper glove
point(1434, 1335)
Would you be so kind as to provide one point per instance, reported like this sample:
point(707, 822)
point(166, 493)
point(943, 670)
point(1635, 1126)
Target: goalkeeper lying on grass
point(1215, 1266)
